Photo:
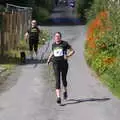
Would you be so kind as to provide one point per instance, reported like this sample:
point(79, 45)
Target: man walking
point(33, 36)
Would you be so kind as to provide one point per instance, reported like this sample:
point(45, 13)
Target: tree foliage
point(41, 8)
point(31, 3)
point(82, 5)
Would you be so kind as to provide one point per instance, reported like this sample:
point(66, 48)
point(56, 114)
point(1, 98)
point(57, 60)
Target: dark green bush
point(40, 14)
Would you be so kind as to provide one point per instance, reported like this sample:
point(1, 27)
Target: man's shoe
point(65, 95)
point(59, 100)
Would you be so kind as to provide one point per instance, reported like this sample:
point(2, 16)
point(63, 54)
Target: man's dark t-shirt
point(34, 33)
point(59, 50)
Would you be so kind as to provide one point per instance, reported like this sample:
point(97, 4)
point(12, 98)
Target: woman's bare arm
point(70, 53)
point(49, 58)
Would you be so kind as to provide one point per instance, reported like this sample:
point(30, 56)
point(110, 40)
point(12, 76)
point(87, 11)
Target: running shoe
point(59, 100)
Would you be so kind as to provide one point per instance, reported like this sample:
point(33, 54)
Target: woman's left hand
point(65, 57)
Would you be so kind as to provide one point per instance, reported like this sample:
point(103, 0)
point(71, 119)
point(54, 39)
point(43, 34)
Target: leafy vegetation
point(82, 6)
point(41, 8)
point(102, 48)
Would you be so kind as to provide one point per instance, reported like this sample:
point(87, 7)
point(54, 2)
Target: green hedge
point(106, 61)
point(82, 6)
point(40, 14)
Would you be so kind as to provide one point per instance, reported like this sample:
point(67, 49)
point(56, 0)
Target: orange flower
point(109, 60)
point(104, 14)
point(98, 25)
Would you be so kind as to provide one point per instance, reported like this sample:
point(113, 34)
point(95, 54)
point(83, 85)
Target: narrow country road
point(29, 93)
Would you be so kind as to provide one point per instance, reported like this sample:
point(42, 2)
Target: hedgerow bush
point(44, 36)
point(82, 6)
point(41, 14)
point(102, 48)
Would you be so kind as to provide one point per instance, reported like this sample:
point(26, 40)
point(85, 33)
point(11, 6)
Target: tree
point(18, 2)
point(41, 8)
point(82, 5)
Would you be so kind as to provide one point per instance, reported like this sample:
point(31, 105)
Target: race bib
point(58, 52)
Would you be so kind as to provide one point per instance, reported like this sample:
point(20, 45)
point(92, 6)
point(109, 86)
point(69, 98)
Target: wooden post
point(2, 43)
point(2, 37)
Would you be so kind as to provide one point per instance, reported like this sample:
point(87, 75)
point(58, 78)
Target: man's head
point(34, 23)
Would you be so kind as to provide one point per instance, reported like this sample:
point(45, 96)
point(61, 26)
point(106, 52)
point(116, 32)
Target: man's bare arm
point(26, 36)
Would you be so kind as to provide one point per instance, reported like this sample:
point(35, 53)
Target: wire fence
point(14, 22)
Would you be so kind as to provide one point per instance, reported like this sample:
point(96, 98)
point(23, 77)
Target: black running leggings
point(33, 44)
point(60, 70)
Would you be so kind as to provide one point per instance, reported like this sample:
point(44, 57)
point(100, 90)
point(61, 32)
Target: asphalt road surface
point(29, 93)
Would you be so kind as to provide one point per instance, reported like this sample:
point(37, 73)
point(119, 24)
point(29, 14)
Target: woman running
point(61, 51)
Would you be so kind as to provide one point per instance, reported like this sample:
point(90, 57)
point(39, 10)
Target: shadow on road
point(57, 11)
point(35, 62)
point(76, 101)
point(64, 22)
